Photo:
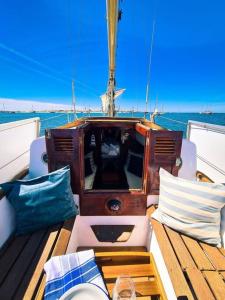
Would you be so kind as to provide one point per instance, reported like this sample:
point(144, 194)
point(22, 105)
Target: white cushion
point(191, 207)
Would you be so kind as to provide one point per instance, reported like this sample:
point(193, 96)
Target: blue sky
point(44, 43)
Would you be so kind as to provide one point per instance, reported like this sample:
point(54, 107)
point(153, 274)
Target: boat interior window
point(113, 158)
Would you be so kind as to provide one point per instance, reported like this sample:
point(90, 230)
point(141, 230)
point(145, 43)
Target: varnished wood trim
point(153, 125)
point(142, 129)
point(72, 124)
point(202, 177)
point(139, 270)
point(122, 253)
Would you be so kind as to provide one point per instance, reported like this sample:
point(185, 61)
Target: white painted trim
point(208, 126)
point(82, 234)
point(161, 267)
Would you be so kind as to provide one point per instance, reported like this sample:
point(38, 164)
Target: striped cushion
point(191, 207)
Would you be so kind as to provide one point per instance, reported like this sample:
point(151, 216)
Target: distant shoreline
point(93, 112)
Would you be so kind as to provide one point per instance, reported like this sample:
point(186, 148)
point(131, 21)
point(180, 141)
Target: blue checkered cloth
point(66, 271)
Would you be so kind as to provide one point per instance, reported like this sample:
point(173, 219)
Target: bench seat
point(196, 269)
point(22, 260)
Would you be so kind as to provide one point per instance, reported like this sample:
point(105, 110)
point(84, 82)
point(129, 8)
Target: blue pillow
point(42, 201)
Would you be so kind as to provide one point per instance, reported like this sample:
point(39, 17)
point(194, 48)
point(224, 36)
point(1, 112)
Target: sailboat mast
point(149, 69)
point(112, 20)
point(73, 100)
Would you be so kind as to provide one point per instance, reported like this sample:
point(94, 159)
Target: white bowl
point(84, 291)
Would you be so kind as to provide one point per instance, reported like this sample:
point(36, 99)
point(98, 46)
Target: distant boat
point(206, 112)
point(157, 112)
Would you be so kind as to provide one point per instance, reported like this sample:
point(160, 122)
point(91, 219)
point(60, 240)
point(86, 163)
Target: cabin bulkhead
point(114, 163)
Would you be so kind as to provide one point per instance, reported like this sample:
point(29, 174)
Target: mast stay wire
point(33, 69)
point(40, 72)
point(46, 67)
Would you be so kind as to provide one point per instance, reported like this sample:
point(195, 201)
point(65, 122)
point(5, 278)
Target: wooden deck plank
point(222, 250)
point(38, 270)
point(199, 284)
point(197, 253)
point(59, 249)
point(215, 256)
point(216, 284)
point(223, 275)
point(148, 288)
point(9, 257)
point(17, 272)
point(179, 246)
point(64, 237)
point(179, 282)
point(130, 270)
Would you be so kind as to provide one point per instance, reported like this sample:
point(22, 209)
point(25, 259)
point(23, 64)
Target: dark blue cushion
point(42, 201)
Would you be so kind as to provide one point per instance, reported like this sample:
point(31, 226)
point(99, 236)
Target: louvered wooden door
point(64, 147)
point(164, 151)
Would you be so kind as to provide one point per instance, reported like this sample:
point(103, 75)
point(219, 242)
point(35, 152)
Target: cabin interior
point(113, 158)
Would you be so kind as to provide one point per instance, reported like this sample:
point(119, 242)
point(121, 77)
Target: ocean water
point(173, 121)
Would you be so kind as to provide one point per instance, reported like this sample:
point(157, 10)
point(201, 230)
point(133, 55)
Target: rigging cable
point(64, 78)
point(172, 120)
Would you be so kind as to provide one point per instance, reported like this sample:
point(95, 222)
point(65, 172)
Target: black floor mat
point(119, 184)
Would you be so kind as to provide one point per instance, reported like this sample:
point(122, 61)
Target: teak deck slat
point(59, 249)
point(12, 282)
point(183, 255)
point(223, 275)
point(22, 275)
point(215, 256)
point(199, 284)
point(20, 293)
point(216, 283)
point(38, 270)
point(177, 277)
point(202, 265)
point(9, 257)
point(197, 253)
point(222, 250)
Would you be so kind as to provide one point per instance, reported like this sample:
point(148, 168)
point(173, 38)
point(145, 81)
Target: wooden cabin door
point(65, 147)
point(164, 152)
point(162, 149)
